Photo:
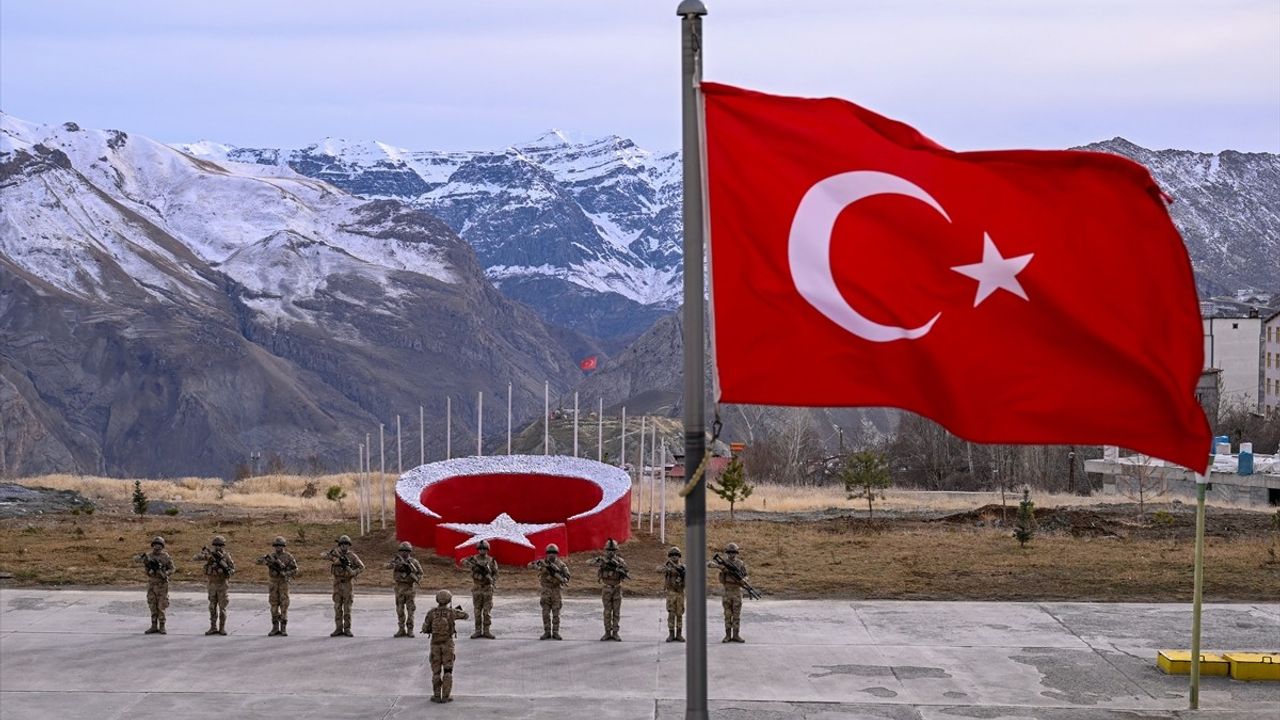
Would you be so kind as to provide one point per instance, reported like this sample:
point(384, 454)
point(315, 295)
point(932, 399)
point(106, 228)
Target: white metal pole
point(508, 418)
point(422, 435)
point(479, 423)
point(640, 476)
point(382, 478)
point(368, 470)
point(622, 451)
point(360, 500)
point(448, 428)
point(546, 418)
point(600, 432)
point(662, 493)
point(399, 450)
point(653, 472)
point(575, 423)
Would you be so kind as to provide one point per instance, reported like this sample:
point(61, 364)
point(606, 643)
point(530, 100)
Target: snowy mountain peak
point(552, 138)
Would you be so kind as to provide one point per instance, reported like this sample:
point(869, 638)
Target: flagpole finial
point(691, 7)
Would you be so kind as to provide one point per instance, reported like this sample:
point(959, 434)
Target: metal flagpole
point(359, 498)
point(575, 423)
point(622, 461)
point(1197, 591)
point(653, 472)
point(508, 418)
point(479, 423)
point(695, 503)
point(600, 432)
point(399, 449)
point(546, 418)
point(368, 470)
point(448, 428)
point(640, 476)
point(382, 478)
point(422, 435)
point(662, 494)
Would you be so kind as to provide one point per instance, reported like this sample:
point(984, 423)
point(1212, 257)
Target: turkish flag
point(588, 364)
point(1014, 297)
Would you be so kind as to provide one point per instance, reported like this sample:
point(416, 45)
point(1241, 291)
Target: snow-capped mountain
point(163, 313)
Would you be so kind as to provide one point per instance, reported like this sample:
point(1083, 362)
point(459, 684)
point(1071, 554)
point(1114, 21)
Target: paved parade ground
point(72, 655)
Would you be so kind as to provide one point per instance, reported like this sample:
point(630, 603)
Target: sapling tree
point(1025, 527)
point(865, 475)
point(140, 501)
point(733, 487)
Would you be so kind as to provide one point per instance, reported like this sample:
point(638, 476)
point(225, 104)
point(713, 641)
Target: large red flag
point(1014, 297)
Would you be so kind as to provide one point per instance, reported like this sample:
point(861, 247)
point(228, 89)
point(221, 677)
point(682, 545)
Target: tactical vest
point(442, 624)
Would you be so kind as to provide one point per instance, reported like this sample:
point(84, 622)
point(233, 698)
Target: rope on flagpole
point(706, 456)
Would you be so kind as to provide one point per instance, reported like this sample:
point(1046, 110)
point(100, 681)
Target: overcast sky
point(1202, 75)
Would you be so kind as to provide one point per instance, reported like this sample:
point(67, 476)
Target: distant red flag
point(1015, 297)
point(588, 364)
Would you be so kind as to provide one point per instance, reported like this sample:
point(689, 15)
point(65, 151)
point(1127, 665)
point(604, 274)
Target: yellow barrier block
point(1254, 666)
point(1178, 662)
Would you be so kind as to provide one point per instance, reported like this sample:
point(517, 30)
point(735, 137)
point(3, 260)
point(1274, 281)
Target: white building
point(1234, 346)
point(1271, 363)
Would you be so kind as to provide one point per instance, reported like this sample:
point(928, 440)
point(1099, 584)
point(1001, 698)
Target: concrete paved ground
point(82, 654)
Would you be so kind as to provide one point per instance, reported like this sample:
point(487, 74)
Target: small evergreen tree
point(140, 501)
point(336, 494)
point(733, 487)
point(1025, 528)
point(864, 475)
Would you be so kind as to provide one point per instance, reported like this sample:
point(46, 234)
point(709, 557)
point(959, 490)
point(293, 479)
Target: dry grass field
point(1086, 550)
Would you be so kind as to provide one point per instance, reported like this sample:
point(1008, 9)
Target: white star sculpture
point(995, 272)
point(503, 527)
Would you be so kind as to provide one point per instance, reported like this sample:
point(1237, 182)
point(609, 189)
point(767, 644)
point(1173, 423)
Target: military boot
point(213, 624)
point(555, 628)
point(337, 628)
point(479, 633)
point(160, 626)
point(736, 637)
point(435, 690)
point(408, 626)
point(153, 629)
point(275, 627)
point(284, 625)
point(486, 634)
point(346, 624)
point(671, 632)
point(446, 688)
point(679, 630)
point(728, 633)
point(222, 623)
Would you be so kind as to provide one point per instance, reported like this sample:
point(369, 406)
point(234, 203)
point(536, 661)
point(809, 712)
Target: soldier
point(345, 566)
point(440, 625)
point(552, 576)
point(159, 567)
point(406, 572)
point(673, 581)
point(613, 570)
point(218, 568)
point(484, 576)
point(733, 578)
point(281, 567)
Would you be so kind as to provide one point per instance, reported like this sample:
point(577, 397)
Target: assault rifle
point(680, 569)
point(611, 564)
point(342, 559)
point(397, 563)
point(272, 563)
point(151, 564)
point(219, 558)
point(736, 575)
point(543, 564)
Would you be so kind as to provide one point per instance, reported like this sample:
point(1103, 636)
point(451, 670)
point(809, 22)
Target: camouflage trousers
point(157, 599)
point(675, 612)
point(405, 605)
point(218, 599)
point(442, 657)
point(278, 597)
point(342, 597)
point(551, 602)
point(611, 597)
point(732, 609)
point(482, 605)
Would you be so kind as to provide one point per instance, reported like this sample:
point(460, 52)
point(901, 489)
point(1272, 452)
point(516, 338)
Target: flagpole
point(575, 423)
point(479, 423)
point(1197, 591)
point(600, 432)
point(508, 418)
point(546, 418)
point(695, 503)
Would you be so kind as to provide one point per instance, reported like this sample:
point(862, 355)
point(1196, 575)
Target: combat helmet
point(157, 540)
point(731, 548)
point(553, 549)
point(279, 542)
point(611, 545)
point(482, 545)
point(344, 540)
point(405, 547)
point(219, 540)
point(673, 552)
point(444, 597)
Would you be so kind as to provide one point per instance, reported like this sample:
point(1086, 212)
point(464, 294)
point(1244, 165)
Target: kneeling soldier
point(613, 570)
point(218, 568)
point(440, 625)
point(159, 567)
point(281, 567)
point(552, 576)
point(406, 572)
point(673, 582)
point(484, 576)
point(345, 566)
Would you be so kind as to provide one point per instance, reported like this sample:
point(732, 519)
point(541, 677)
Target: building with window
point(1271, 363)
point(1234, 345)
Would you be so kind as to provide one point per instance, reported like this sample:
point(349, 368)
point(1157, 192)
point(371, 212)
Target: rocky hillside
point(163, 315)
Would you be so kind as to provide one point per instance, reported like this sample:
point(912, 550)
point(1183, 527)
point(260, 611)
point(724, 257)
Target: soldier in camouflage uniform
point(732, 594)
point(345, 566)
point(673, 582)
point(159, 567)
point(281, 567)
point(440, 625)
point(406, 572)
point(484, 576)
point(611, 573)
point(218, 569)
point(552, 576)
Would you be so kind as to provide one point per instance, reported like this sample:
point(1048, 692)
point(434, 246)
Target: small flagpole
point(622, 461)
point(359, 499)
point(448, 428)
point(422, 435)
point(600, 432)
point(368, 497)
point(399, 450)
point(653, 472)
point(662, 494)
point(508, 418)
point(479, 423)
point(640, 476)
point(1202, 482)
point(695, 503)
point(382, 477)
point(575, 423)
point(546, 418)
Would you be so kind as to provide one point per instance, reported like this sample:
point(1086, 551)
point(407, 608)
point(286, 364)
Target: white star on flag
point(995, 272)
point(503, 527)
